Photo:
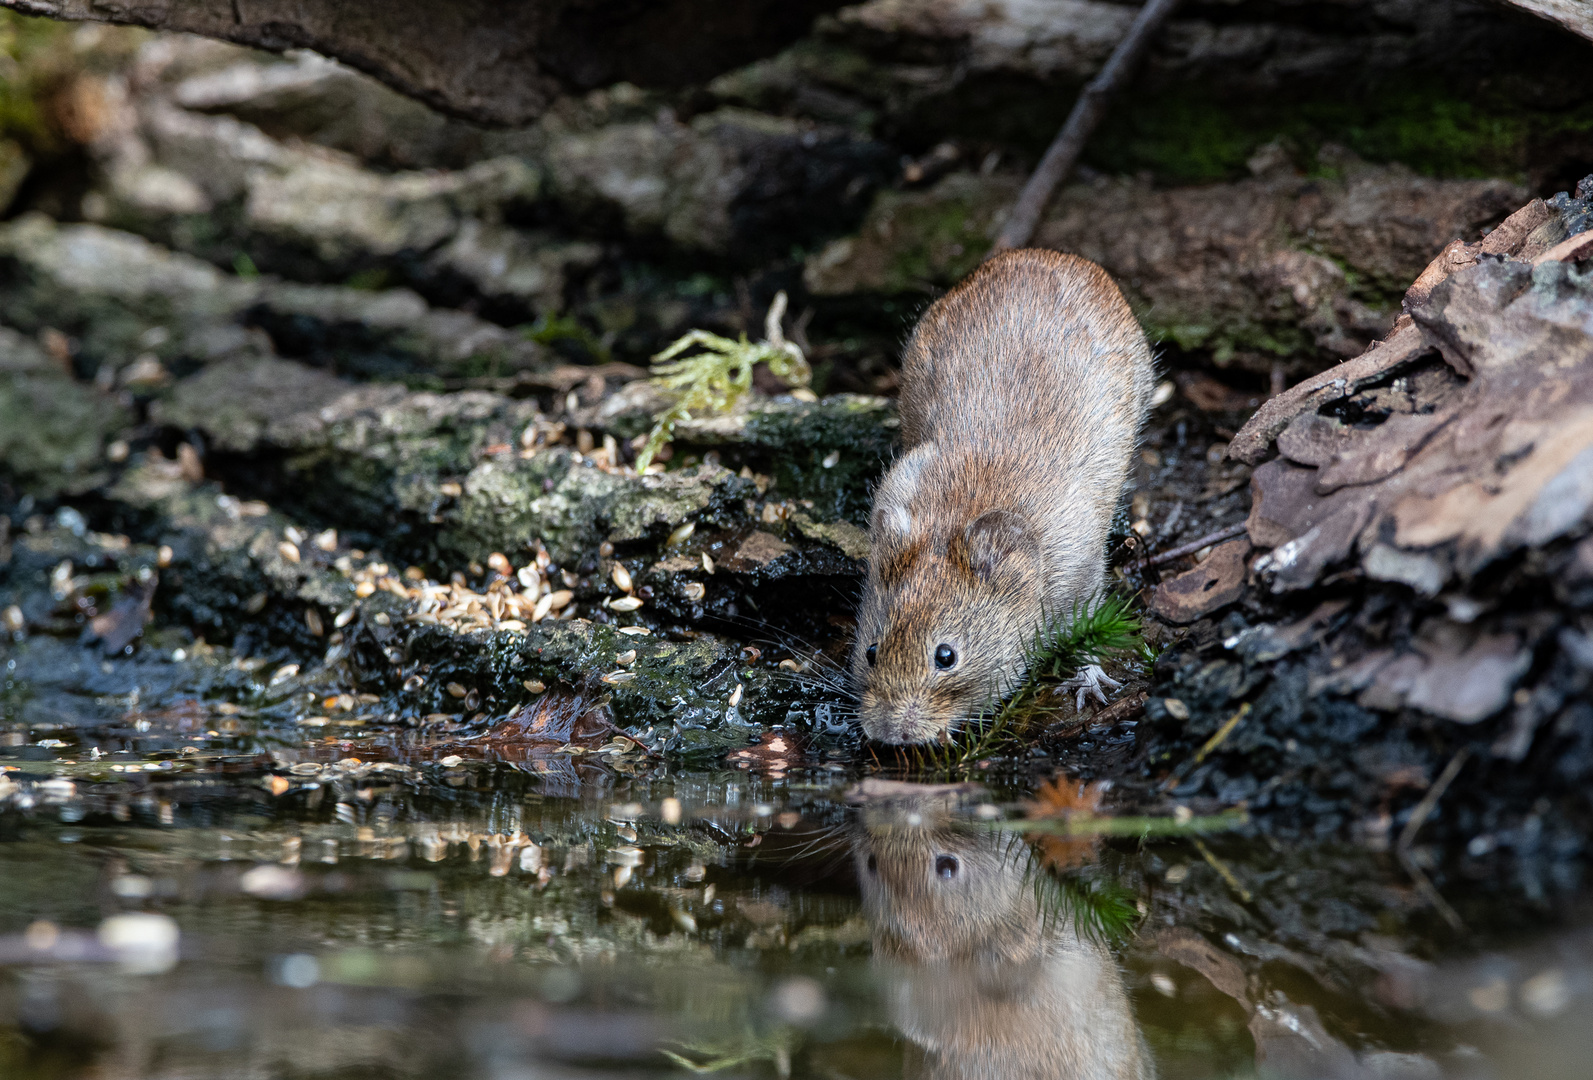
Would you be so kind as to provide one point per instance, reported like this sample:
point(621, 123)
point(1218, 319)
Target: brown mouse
point(1023, 392)
point(985, 981)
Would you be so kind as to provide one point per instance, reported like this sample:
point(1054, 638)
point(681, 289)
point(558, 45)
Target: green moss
point(854, 435)
point(686, 683)
point(1184, 137)
point(1224, 341)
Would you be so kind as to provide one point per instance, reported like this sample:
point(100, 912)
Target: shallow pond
point(204, 890)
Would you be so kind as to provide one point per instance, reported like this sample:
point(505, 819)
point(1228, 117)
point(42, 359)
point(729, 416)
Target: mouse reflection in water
point(982, 979)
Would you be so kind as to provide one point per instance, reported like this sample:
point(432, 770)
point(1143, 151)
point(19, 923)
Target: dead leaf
point(1209, 395)
point(1215, 583)
point(117, 628)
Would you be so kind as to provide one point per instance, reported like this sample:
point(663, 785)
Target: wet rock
point(54, 430)
point(122, 297)
point(1255, 272)
point(827, 452)
point(307, 209)
point(731, 181)
point(462, 475)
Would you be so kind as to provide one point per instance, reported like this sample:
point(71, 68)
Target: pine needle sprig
point(1093, 631)
point(718, 376)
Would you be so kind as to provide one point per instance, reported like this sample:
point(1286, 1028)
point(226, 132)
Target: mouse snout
point(908, 719)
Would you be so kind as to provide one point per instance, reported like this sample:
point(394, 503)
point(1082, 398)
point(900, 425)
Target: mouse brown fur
point(984, 983)
point(1023, 392)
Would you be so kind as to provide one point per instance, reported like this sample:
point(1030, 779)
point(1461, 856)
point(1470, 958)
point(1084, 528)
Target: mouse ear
point(993, 541)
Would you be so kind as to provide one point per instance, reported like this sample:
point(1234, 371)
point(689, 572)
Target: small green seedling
point(716, 378)
point(1106, 627)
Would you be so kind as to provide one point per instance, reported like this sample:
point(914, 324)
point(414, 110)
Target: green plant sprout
point(1093, 631)
point(716, 378)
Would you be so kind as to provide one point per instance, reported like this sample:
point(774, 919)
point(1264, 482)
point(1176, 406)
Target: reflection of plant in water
point(1107, 627)
point(746, 1048)
point(1064, 798)
point(716, 378)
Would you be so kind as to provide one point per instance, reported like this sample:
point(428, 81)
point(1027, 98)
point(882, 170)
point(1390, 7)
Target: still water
point(198, 892)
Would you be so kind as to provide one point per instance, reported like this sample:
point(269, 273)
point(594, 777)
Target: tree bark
point(491, 61)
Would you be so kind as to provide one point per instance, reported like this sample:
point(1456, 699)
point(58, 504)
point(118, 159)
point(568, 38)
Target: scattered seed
point(614, 678)
point(414, 683)
point(289, 551)
point(451, 489)
point(381, 619)
point(1163, 393)
point(735, 695)
point(15, 621)
point(832, 459)
point(626, 659)
point(560, 599)
point(343, 618)
point(635, 631)
point(1176, 708)
point(499, 562)
point(693, 590)
point(456, 690)
point(536, 686)
point(286, 671)
point(364, 589)
point(450, 761)
point(163, 556)
point(681, 534)
point(544, 606)
point(790, 665)
point(528, 577)
point(255, 604)
point(605, 549)
point(414, 573)
point(312, 619)
point(327, 541)
point(707, 563)
point(669, 810)
point(626, 603)
point(622, 577)
point(278, 785)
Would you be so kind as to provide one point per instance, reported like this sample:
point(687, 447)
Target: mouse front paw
point(1091, 681)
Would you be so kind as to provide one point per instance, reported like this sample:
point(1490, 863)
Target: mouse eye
point(945, 656)
point(871, 654)
point(946, 867)
point(873, 864)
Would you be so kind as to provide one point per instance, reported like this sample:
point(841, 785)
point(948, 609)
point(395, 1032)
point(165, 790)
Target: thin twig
point(1222, 869)
point(1425, 886)
point(1087, 113)
point(1424, 809)
point(1211, 744)
point(1227, 533)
